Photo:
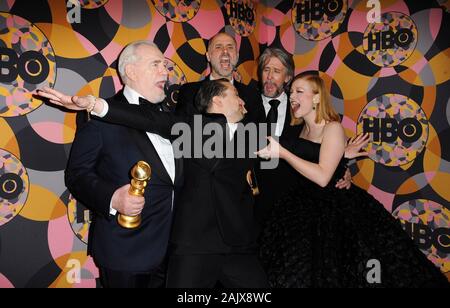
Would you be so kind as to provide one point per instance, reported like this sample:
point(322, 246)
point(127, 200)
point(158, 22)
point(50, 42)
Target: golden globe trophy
point(140, 174)
point(251, 180)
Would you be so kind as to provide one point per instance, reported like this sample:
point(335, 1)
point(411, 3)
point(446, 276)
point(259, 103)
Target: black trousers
point(206, 270)
point(118, 279)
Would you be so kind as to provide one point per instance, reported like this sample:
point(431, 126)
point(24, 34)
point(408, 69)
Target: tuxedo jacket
point(215, 210)
point(253, 103)
point(100, 162)
point(274, 183)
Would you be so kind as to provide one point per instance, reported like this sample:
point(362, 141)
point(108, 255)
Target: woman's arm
point(331, 152)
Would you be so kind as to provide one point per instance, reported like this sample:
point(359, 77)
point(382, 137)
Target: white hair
point(128, 56)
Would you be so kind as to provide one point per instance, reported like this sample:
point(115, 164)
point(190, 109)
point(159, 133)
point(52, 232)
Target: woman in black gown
point(320, 236)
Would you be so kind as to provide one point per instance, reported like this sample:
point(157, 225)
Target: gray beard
point(277, 93)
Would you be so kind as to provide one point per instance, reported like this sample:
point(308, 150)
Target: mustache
point(269, 83)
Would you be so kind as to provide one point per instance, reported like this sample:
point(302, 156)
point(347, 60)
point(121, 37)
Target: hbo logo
point(241, 11)
point(313, 10)
point(389, 39)
point(11, 186)
point(424, 237)
point(31, 66)
point(388, 130)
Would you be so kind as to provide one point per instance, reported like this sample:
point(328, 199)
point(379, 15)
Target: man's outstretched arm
point(138, 117)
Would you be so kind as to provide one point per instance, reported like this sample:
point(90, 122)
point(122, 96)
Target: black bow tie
point(159, 106)
point(143, 101)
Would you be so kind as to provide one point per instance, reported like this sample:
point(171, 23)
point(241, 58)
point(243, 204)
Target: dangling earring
point(316, 101)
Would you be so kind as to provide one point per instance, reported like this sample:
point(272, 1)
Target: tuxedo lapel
point(178, 171)
point(152, 158)
point(287, 121)
point(144, 144)
point(253, 103)
point(292, 126)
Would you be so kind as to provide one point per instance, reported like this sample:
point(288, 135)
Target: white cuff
point(112, 211)
point(103, 113)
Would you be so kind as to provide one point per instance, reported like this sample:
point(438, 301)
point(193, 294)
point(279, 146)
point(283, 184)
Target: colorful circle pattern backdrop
point(389, 78)
point(14, 186)
point(29, 63)
point(391, 41)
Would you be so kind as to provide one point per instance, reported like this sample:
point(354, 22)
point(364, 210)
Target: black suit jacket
point(250, 95)
point(290, 131)
point(101, 159)
point(274, 183)
point(215, 211)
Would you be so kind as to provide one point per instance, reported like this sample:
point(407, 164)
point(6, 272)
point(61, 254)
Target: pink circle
point(5, 283)
point(206, 28)
point(115, 10)
point(50, 131)
point(288, 40)
point(60, 237)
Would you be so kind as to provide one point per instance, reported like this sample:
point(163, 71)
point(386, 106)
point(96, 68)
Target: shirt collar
point(131, 95)
point(282, 98)
point(212, 78)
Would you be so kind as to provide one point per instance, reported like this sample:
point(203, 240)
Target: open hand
point(355, 144)
point(272, 150)
point(70, 102)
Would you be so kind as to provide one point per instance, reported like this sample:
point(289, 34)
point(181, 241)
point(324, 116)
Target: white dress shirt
point(162, 146)
point(232, 127)
point(282, 107)
point(212, 78)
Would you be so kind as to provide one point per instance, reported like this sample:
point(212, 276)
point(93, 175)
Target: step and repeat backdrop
point(385, 62)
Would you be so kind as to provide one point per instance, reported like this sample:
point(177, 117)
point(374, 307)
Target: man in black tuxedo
point(98, 174)
point(222, 56)
point(275, 71)
point(214, 232)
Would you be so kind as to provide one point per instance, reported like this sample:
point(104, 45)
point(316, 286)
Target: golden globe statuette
point(252, 182)
point(140, 174)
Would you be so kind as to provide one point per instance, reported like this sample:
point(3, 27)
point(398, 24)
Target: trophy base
point(129, 222)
